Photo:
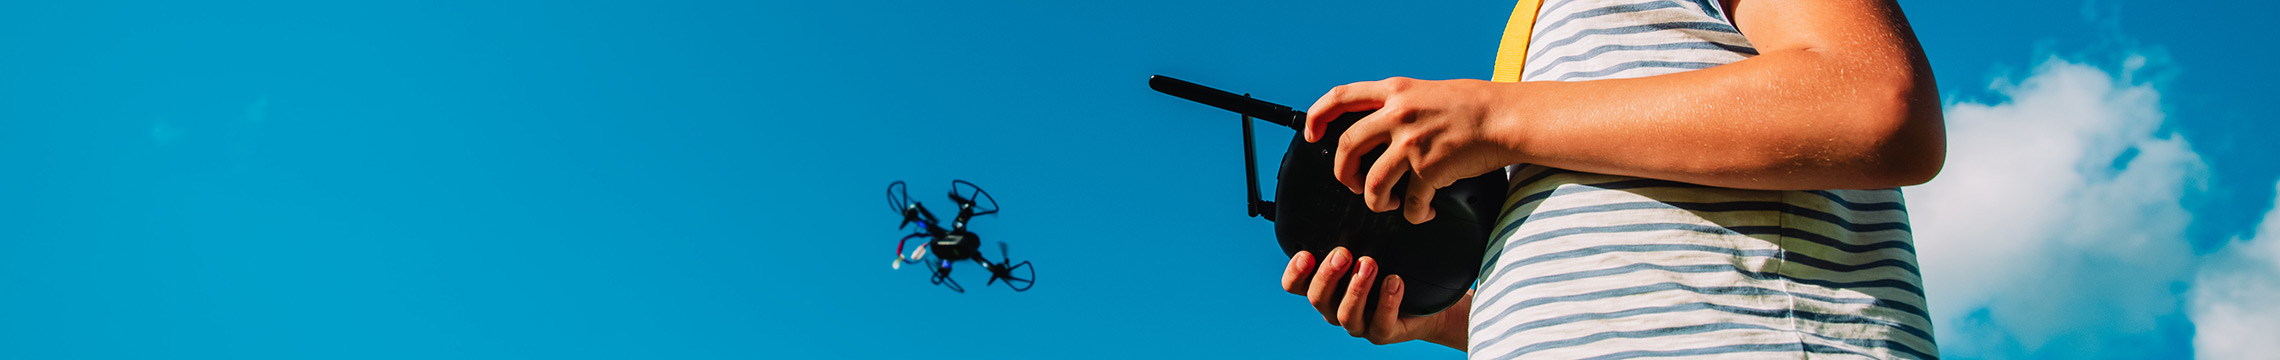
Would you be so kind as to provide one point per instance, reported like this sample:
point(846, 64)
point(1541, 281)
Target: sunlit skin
point(1839, 97)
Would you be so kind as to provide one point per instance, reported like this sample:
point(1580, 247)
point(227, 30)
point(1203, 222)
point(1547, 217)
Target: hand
point(1344, 306)
point(1438, 132)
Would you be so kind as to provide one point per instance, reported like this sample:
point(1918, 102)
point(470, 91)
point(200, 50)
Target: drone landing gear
point(942, 277)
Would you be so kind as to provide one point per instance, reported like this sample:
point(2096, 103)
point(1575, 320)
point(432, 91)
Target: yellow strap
point(1512, 53)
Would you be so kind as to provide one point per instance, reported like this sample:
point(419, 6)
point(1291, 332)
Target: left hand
point(1344, 306)
point(1436, 131)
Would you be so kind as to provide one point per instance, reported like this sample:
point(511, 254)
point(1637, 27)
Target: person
point(1694, 178)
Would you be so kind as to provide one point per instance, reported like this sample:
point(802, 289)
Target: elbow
point(1915, 167)
point(1905, 131)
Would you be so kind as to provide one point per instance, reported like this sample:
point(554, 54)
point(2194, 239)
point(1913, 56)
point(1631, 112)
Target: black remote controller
point(1437, 260)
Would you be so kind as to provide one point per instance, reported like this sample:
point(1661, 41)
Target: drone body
point(946, 246)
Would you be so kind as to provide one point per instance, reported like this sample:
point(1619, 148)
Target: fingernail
point(1299, 258)
point(1338, 257)
point(1393, 285)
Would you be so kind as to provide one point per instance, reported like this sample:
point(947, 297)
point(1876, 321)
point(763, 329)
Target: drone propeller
point(1001, 271)
point(898, 196)
point(917, 213)
point(973, 200)
point(898, 200)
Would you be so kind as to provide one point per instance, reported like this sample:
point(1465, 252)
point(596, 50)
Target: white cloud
point(2236, 297)
point(2057, 226)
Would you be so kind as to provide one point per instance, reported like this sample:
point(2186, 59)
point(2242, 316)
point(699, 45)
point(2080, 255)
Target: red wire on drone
point(905, 242)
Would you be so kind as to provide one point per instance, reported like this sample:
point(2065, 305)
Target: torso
point(1588, 265)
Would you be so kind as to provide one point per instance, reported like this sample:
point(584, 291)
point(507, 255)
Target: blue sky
point(701, 180)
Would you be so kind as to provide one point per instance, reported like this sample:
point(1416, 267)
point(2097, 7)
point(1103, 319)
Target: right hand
point(1343, 306)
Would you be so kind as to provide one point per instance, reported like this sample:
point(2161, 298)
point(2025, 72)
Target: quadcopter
point(947, 246)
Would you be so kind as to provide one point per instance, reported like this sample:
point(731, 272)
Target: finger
point(1340, 100)
point(1294, 276)
point(1366, 135)
point(1388, 313)
point(1323, 292)
point(1357, 299)
point(1418, 204)
point(1377, 190)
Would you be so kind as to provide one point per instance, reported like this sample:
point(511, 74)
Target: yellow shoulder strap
point(1512, 53)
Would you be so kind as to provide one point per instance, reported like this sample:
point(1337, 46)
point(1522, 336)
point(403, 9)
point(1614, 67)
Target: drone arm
point(917, 212)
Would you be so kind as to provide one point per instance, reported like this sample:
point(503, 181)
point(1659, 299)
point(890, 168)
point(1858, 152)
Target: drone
point(948, 246)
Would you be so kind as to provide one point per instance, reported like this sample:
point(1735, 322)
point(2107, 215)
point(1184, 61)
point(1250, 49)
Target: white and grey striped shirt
point(1592, 266)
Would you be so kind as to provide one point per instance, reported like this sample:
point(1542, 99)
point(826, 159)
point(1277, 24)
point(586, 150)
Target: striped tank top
point(1594, 266)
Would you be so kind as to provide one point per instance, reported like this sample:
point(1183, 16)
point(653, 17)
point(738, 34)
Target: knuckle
point(1399, 83)
point(1408, 141)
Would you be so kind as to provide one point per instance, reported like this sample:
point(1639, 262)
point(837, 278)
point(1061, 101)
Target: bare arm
point(1840, 97)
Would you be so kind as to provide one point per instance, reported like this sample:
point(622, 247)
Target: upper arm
point(1865, 48)
point(1872, 29)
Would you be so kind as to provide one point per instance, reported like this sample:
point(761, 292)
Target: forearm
point(1787, 120)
